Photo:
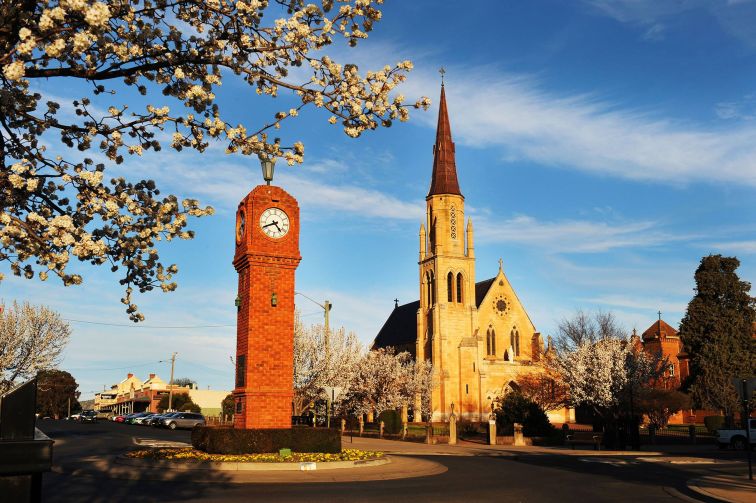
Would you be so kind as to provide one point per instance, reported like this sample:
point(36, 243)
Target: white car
point(737, 438)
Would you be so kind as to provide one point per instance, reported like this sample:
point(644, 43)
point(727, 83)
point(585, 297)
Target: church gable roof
point(400, 327)
point(481, 289)
point(659, 328)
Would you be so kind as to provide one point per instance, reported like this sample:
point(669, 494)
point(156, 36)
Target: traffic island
point(193, 459)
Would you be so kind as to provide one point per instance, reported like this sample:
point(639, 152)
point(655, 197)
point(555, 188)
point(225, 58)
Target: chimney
point(129, 376)
point(152, 376)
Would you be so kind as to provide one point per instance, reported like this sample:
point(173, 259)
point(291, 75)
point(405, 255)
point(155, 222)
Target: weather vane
point(442, 72)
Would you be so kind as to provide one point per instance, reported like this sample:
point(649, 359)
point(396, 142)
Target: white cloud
point(735, 17)
point(567, 236)
point(490, 107)
point(736, 246)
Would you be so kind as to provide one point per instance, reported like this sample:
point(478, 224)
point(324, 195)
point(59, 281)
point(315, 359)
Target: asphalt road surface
point(525, 477)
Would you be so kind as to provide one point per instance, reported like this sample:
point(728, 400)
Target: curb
point(231, 466)
point(693, 486)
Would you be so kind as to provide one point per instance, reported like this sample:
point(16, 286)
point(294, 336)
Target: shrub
point(515, 408)
point(392, 421)
point(468, 429)
point(714, 423)
point(225, 440)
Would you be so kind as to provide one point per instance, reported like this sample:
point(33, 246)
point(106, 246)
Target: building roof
point(659, 328)
point(401, 326)
point(444, 179)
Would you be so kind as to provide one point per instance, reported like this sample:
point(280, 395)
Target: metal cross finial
point(442, 72)
point(659, 313)
point(501, 265)
point(396, 303)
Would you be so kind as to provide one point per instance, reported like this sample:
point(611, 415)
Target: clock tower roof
point(444, 179)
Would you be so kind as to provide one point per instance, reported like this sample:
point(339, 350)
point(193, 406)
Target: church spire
point(444, 180)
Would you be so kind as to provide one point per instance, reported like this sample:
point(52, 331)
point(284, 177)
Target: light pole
point(268, 164)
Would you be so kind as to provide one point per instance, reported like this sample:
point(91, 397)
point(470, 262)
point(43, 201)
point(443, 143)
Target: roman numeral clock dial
point(274, 222)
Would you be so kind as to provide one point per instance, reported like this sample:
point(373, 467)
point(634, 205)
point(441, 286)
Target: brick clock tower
point(266, 258)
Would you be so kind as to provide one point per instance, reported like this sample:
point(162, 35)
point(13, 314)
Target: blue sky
point(603, 148)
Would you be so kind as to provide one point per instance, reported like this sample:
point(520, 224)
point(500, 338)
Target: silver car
point(184, 420)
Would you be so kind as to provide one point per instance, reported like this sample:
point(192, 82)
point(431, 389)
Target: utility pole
point(327, 308)
point(170, 385)
point(69, 407)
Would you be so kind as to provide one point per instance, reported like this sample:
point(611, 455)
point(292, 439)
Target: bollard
point(692, 433)
point(404, 430)
point(491, 432)
point(380, 432)
point(429, 433)
point(343, 425)
point(452, 429)
point(519, 439)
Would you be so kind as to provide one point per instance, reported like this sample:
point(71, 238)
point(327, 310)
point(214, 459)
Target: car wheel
point(738, 443)
point(172, 426)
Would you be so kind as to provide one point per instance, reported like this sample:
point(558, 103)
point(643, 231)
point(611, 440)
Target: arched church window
point(459, 287)
point(491, 342)
point(514, 341)
point(432, 289)
point(449, 284)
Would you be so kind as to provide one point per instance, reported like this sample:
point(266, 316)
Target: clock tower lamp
point(266, 258)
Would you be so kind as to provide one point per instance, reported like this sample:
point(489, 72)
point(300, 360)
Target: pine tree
point(717, 334)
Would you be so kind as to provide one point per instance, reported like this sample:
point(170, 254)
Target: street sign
point(333, 392)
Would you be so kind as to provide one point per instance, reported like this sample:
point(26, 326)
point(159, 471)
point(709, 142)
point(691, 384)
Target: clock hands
point(274, 222)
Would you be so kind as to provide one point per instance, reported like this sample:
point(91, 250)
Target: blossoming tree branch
point(55, 201)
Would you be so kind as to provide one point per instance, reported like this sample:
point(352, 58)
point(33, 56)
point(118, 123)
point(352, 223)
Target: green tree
point(227, 406)
point(660, 404)
point(184, 381)
point(516, 408)
point(716, 333)
point(181, 402)
point(54, 389)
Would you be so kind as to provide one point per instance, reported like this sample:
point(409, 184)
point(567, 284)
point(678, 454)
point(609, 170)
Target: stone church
point(477, 335)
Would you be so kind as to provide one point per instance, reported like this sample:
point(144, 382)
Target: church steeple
point(444, 180)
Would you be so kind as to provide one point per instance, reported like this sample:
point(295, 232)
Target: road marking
point(152, 442)
point(608, 461)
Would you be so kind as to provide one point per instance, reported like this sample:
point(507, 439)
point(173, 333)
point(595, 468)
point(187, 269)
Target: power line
point(119, 368)
point(145, 326)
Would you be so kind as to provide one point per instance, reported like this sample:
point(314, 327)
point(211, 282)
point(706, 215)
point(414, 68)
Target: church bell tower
point(447, 280)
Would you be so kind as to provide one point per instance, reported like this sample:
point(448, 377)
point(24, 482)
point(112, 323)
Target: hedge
point(226, 440)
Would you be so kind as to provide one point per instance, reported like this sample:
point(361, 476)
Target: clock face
point(240, 226)
point(274, 222)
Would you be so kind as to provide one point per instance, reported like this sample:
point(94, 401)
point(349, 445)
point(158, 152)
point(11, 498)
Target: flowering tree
point(31, 339)
point(380, 382)
point(421, 383)
point(56, 204)
point(314, 368)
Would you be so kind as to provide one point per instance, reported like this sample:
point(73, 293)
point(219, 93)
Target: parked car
point(184, 420)
point(118, 418)
point(158, 420)
point(133, 417)
point(88, 416)
point(143, 419)
point(74, 417)
point(737, 438)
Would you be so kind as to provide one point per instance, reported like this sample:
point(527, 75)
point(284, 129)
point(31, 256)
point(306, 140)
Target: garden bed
point(189, 454)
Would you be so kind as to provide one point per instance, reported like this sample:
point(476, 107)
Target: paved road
point(511, 477)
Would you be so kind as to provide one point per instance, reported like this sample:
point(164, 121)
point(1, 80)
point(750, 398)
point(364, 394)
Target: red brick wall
point(265, 333)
